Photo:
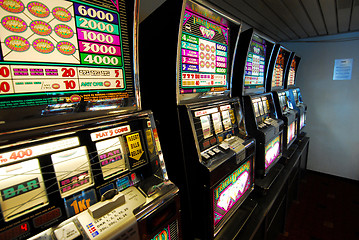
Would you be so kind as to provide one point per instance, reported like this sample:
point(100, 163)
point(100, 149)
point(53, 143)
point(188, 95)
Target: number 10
point(70, 84)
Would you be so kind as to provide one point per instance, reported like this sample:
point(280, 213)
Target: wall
point(333, 106)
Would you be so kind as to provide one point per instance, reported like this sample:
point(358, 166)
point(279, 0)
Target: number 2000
point(91, 24)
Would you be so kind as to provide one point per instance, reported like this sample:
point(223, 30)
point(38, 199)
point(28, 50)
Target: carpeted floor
point(327, 209)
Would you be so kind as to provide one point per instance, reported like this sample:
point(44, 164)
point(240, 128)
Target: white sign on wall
point(343, 69)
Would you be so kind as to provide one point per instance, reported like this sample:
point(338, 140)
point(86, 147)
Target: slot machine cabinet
point(295, 96)
point(211, 154)
point(277, 76)
point(101, 179)
point(78, 157)
point(268, 131)
point(250, 70)
point(219, 166)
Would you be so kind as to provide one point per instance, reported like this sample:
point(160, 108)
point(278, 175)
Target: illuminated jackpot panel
point(255, 64)
point(62, 52)
point(278, 71)
point(230, 191)
point(272, 151)
point(204, 51)
point(291, 131)
point(302, 120)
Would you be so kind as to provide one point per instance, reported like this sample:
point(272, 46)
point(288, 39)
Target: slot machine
point(277, 75)
point(250, 68)
point(186, 75)
point(78, 157)
point(294, 94)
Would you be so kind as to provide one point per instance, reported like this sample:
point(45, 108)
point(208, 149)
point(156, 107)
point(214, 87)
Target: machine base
point(301, 137)
point(289, 153)
point(263, 184)
point(238, 220)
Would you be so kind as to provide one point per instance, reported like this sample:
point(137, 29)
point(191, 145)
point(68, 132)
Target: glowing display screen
point(255, 64)
point(227, 193)
point(302, 120)
point(291, 131)
point(204, 51)
point(278, 71)
point(272, 151)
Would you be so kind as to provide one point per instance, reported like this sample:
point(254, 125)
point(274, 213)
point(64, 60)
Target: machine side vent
point(174, 230)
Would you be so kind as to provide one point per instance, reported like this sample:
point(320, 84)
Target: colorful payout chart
point(291, 75)
point(255, 64)
point(60, 52)
point(277, 78)
point(204, 52)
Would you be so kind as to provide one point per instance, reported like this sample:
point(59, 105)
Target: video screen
point(59, 57)
point(302, 120)
point(278, 71)
point(255, 64)
point(292, 71)
point(230, 191)
point(204, 51)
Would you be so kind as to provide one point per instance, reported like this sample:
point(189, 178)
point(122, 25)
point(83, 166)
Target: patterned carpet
point(327, 209)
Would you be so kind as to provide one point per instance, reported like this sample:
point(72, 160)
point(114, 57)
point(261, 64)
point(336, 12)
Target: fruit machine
point(275, 83)
point(294, 94)
point(250, 69)
point(78, 157)
point(211, 156)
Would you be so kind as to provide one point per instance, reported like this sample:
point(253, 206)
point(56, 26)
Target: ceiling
point(285, 20)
